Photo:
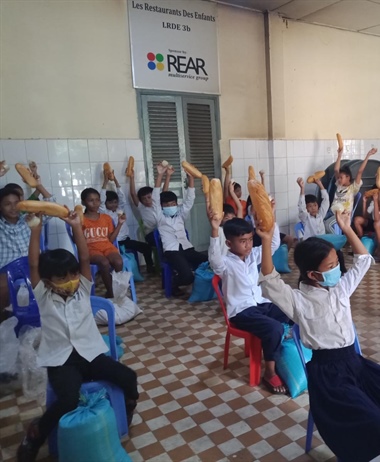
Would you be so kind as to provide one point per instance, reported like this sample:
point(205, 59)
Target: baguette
point(216, 198)
point(26, 175)
point(340, 141)
point(165, 163)
point(191, 170)
point(317, 176)
point(378, 178)
point(228, 162)
point(251, 173)
point(261, 205)
point(371, 192)
point(130, 166)
point(108, 171)
point(79, 211)
point(4, 168)
point(205, 185)
point(47, 208)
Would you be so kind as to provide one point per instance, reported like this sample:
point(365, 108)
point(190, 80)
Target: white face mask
point(170, 211)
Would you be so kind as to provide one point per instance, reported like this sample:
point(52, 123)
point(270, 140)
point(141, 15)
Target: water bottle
point(23, 295)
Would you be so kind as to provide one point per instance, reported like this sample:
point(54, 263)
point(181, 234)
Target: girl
point(344, 388)
point(71, 346)
point(100, 232)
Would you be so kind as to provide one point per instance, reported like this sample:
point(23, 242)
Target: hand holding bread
point(340, 142)
point(251, 173)
point(191, 170)
point(46, 208)
point(317, 176)
point(261, 205)
point(228, 162)
point(130, 166)
point(26, 175)
point(216, 198)
point(108, 172)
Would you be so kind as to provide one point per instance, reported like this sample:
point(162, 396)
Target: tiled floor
point(190, 408)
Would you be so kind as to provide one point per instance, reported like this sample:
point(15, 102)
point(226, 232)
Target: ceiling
point(354, 15)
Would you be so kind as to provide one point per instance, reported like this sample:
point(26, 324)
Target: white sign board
point(174, 45)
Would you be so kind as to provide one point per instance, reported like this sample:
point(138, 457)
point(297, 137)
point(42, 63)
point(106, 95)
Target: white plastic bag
point(9, 345)
point(125, 308)
point(23, 295)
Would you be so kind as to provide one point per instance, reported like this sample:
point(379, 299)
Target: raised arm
point(325, 204)
point(115, 230)
point(103, 193)
point(337, 163)
point(169, 173)
point(239, 207)
point(132, 189)
point(80, 241)
point(189, 197)
point(302, 211)
point(370, 153)
point(227, 180)
point(262, 173)
point(376, 209)
point(214, 252)
point(34, 251)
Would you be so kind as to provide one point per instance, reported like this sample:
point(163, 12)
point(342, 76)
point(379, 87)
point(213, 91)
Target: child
point(114, 204)
point(228, 199)
point(364, 224)
point(376, 224)
point(71, 346)
point(100, 233)
point(178, 250)
point(309, 212)
point(246, 307)
point(344, 388)
point(345, 189)
point(143, 201)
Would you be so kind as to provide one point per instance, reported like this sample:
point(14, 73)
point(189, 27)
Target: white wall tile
point(98, 151)
point(280, 166)
point(36, 150)
point(64, 196)
point(281, 201)
point(289, 148)
point(45, 175)
point(237, 149)
point(78, 151)
point(81, 174)
point(308, 148)
point(250, 150)
point(262, 149)
point(60, 174)
point(97, 172)
point(119, 168)
point(14, 151)
point(135, 149)
point(238, 168)
point(117, 150)
point(298, 148)
point(281, 184)
point(58, 151)
point(279, 148)
point(282, 217)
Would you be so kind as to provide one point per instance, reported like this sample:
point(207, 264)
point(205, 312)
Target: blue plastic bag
point(280, 259)
point(289, 366)
point(369, 243)
point(202, 287)
point(337, 240)
point(119, 348)
point(89, 433)
point(132, 266)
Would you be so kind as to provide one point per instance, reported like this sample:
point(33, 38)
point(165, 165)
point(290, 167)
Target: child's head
point(345, 176)
point(239, 236)
point(169, 203)
point(90, 199)
point(9, 198)
point(16, 187)
point(59, 270)
point(229, 213)
point(237, 190)
point(145, 196)
point(112, 201)
point(319, 263)
point(312, 204)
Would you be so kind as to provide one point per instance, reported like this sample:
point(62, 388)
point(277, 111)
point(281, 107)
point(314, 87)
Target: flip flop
point(273, 383)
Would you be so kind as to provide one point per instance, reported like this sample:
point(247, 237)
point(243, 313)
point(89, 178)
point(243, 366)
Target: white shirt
point(67, 324)
point(371, 210)
point(148, 217)
point(124, 230)
point(222, 242)
point(345, 195)
point(313, 226)
point(172, 229)
point(323, 315)
point(239, 277)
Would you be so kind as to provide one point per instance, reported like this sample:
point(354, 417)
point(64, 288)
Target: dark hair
point(13, 186)
point(237, 227)
point(227, 208)
point(310, 199)
point(309, 254)
point(58, 262)
point(111, 196)
point(5, 192)
point(167, 196)
point(346, 171)
point(86, 192)
point(144, 192)
point(236, 186)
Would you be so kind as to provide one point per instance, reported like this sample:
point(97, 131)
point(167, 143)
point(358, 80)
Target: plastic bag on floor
point(9, 347)
point(34, 378)
point(125, 308)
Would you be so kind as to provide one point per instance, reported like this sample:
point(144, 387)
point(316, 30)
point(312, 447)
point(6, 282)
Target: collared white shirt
point(148, 217)
point(172, 229)
point(124, 230)
point(239, 277)
point(371, 210)
point(323, 315)
point(313, 226)
point(222, 242)
point(67, 324)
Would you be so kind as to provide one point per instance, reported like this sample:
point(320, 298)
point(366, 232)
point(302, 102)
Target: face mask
point(170, 211)
point(331, 277)
point(65, 288)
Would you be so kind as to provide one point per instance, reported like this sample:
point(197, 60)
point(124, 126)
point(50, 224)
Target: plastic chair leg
point(255, 362)
point(309, 432)
point(246, 347)
point(226, 349)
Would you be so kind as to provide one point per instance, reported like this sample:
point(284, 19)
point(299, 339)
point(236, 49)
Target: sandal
point(274, 383)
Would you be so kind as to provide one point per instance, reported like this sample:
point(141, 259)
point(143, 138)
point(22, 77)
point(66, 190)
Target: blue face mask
point(170, 211)
point(331, 277)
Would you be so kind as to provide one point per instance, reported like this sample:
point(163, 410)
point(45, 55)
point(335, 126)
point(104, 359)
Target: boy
point(346, 190)
point(143, 201)
point(364, 224)
point(178, 250)
point(309, 212)
point(113, 204)
point(228, 199)
point(246, 307)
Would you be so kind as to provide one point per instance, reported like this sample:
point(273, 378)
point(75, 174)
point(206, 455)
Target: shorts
point(369, 228)
point(103, 248)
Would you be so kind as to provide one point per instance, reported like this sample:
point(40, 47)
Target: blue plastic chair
point(17, 273)
point(299, 230)
point(115, 394)
point(357, 198)
point(310, 420)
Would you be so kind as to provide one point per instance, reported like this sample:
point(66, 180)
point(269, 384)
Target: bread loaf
point(378, 178)
point(108, 171)
point(205, 185)
point(165, 163)
point(317, 176)
point(191, 170)
point(79, 211)
point(340, 141)
point(261, 205)
point(228, 162)
point(251, 173)
point(46, 208)
point(371, 192)
point(3, 167)
point(216, 198)
point(130, 166)
point(26, 175)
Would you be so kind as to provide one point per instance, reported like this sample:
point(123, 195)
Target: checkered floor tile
point(190, 408)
